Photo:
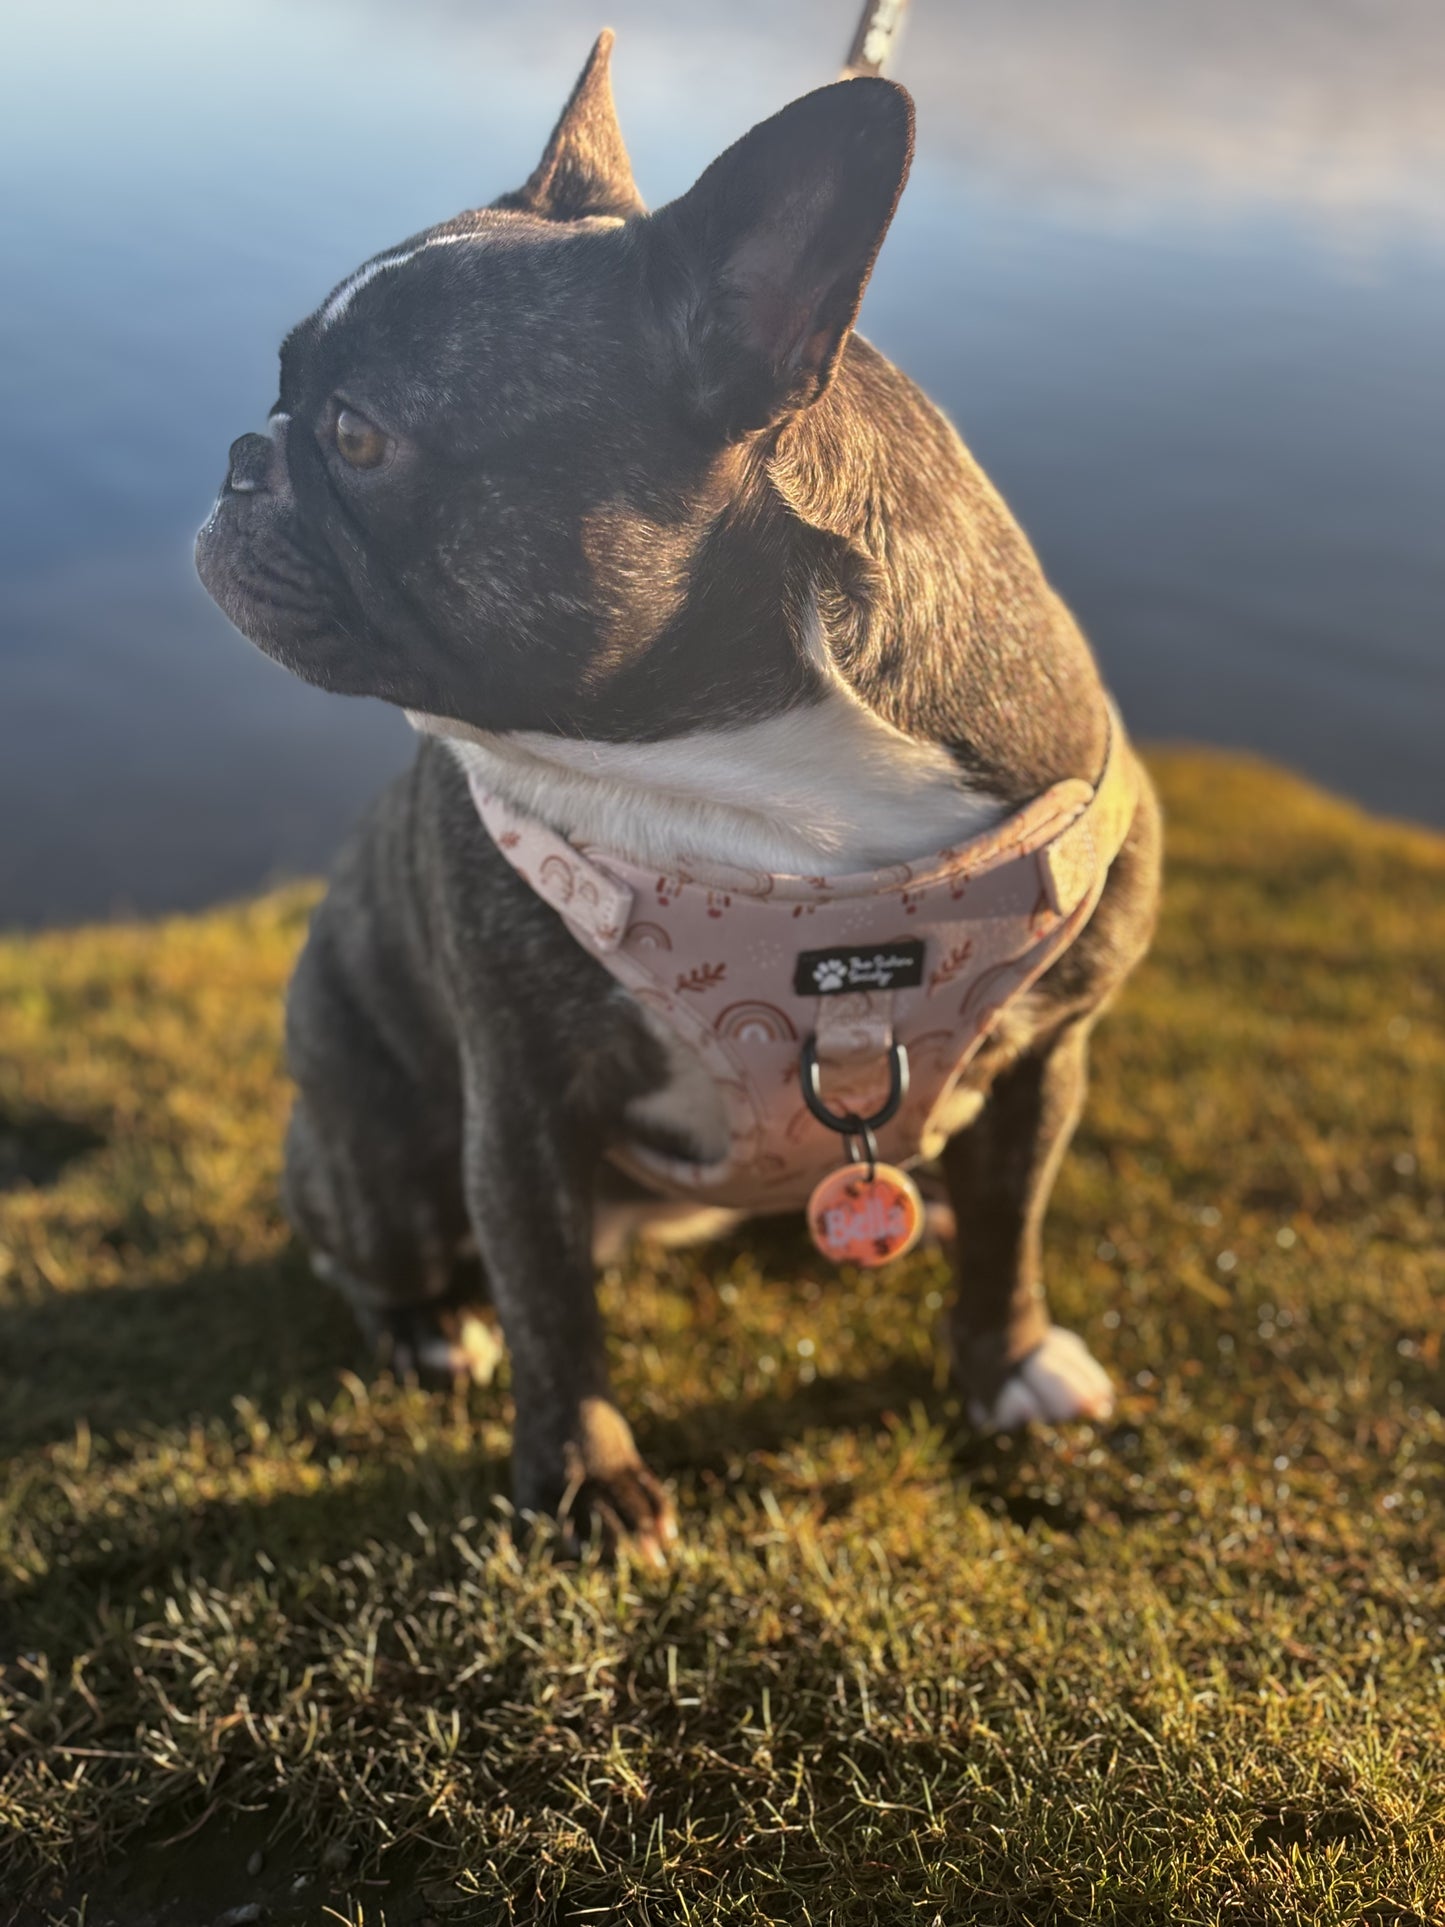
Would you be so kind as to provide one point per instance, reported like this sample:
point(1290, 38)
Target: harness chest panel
point(745, 967)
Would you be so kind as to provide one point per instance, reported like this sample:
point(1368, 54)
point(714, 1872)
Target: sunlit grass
point(1190, 1668)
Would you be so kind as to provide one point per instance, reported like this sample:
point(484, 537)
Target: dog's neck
point(824, 787)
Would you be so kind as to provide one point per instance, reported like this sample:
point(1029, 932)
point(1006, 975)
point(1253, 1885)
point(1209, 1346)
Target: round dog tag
point(865, 1214)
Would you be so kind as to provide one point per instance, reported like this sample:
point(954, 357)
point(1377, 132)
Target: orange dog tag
point(865, 1215)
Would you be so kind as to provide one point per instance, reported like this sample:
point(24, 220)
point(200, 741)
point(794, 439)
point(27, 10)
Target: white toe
point(474, 1351)
point(1059, 1381)
point(480, 1343)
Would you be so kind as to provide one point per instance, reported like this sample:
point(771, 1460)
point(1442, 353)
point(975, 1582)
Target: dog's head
point(503, 449)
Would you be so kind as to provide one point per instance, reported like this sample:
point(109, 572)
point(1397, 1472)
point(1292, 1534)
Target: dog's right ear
point(585, 169)
point(758, 270)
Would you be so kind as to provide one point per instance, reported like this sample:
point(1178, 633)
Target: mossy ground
point(1189, 1668)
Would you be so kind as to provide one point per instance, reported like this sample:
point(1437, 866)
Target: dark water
point(1178, 273)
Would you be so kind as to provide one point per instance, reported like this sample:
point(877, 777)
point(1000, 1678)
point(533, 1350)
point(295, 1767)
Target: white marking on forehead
point(342, 299)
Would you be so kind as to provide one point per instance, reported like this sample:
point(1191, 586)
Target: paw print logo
point(830, 974)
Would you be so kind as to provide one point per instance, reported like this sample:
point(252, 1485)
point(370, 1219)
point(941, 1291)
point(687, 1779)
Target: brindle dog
point(618, 505)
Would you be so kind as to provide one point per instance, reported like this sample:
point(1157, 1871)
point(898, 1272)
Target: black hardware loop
point(863, 1149)
point(847, 1123)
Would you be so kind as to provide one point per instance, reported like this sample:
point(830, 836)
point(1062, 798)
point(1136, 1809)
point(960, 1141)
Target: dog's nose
point(250, 461)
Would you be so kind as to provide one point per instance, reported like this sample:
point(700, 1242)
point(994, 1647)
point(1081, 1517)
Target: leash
point(875, 38)
point(868, 1209)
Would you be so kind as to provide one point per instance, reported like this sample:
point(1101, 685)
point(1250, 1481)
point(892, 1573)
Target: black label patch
point(861, 966)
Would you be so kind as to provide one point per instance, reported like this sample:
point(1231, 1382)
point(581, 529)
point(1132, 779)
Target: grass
point(265, 1641)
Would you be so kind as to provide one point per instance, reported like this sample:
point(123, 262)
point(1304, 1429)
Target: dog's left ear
point(585, 169)
point(758, 270)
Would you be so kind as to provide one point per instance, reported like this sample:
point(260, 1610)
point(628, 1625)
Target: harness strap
point(596, 905)
point(1077, 861)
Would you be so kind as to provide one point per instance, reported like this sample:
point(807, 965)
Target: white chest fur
point(827, 787)
point(830, 786)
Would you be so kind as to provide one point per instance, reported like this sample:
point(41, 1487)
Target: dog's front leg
point(1010, 1360)
point(529, 1183)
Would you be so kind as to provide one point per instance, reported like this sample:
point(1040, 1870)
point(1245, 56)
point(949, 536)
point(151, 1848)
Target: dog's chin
point(272, 605)
point(226, 583)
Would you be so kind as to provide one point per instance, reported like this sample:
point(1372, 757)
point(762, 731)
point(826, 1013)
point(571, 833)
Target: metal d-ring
point(848, 1123)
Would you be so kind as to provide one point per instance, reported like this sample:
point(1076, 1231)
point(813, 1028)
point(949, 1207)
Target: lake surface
point(1180, 281)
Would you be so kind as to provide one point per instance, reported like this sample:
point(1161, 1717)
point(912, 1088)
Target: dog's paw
point(440, 1345)
point(1058, 1381)
point(440, 1342)
point(627, 1510)
point(605, 1497)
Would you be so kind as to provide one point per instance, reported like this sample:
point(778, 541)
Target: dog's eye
point(359, 443)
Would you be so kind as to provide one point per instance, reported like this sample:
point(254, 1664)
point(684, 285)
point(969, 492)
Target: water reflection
point(1178, 273)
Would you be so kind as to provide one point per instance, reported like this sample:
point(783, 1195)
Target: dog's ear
point(759, 268)
point(585, 169)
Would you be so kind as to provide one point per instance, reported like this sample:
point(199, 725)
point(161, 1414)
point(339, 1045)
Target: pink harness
point(746, 967)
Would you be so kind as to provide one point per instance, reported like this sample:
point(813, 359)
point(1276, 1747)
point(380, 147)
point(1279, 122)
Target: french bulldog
point(624, 515)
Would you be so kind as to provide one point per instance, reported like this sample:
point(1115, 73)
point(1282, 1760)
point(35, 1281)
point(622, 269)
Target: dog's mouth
point(254, 558)
point(291, 592)
point(273, 593)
